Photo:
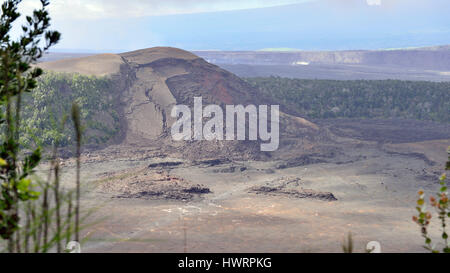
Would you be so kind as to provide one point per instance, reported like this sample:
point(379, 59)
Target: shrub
point(440, 204)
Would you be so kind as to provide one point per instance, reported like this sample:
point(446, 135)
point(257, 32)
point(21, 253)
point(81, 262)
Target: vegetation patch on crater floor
point(358, 98)
point(51, 101)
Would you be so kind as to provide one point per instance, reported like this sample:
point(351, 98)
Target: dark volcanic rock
point(303, 193)
point(300, 161)
point(291, 187)
point(165, 164)
point(198, 189)
point(231, 169)
point(213, 162)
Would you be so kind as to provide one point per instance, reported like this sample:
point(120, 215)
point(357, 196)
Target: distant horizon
point(311, 25)
point(281, 49)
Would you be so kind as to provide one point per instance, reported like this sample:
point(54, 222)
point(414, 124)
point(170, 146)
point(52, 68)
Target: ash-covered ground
point(364, 182)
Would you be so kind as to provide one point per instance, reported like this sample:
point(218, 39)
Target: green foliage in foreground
point(17, 78)
point(359, 99)
point(51, 101)
point(441, 204)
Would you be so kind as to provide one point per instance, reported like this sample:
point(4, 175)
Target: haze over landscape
point(118, 26)
point(272, 38)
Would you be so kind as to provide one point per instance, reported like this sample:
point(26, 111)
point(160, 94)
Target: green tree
point(358, 99)
point(18, 76)
point(53, 98)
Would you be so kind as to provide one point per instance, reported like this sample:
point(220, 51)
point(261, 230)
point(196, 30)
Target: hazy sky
point(117, 25)
point(101, 9)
